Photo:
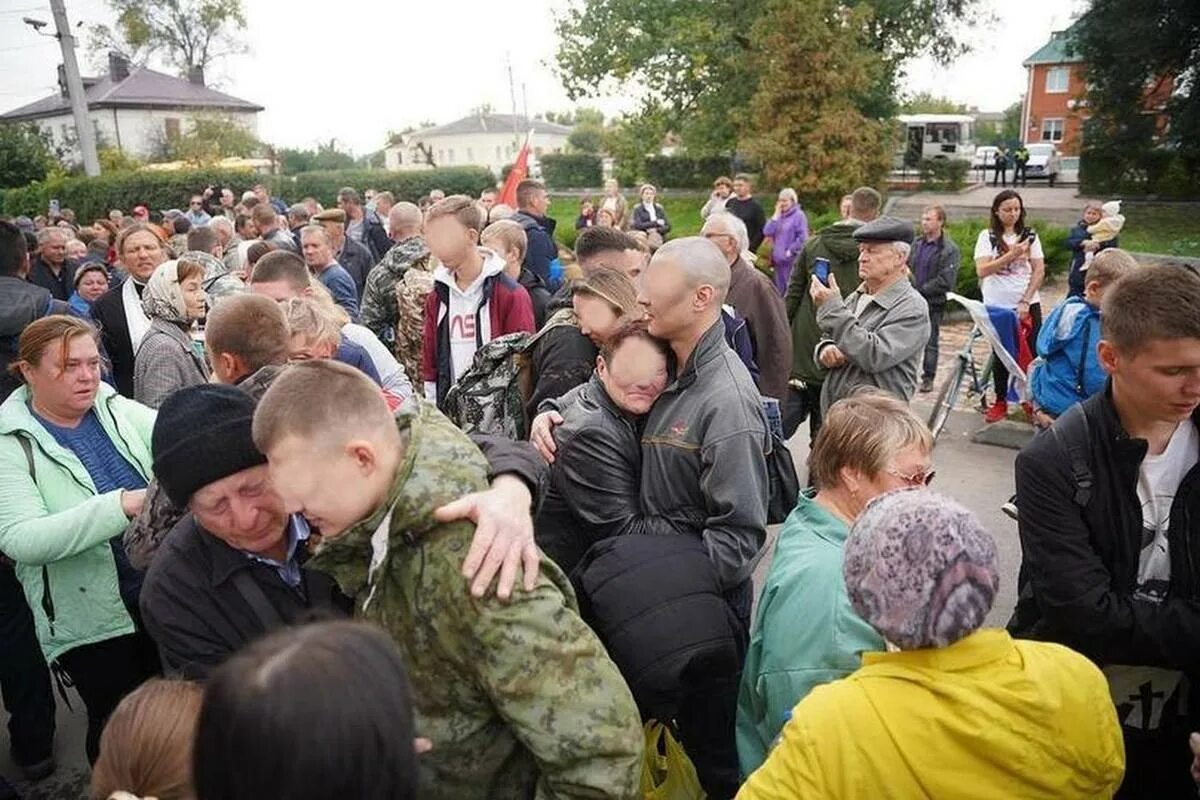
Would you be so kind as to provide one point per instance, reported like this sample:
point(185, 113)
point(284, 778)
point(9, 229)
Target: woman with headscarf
point(950, 710)
point(168, 359)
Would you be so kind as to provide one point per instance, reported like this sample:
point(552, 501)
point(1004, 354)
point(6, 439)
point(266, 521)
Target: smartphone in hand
point(821, 270)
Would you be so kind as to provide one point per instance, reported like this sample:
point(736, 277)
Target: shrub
point(1161, 173)
point(93, 197)
point(686, 172)
point(944, 173)
point(571, 171)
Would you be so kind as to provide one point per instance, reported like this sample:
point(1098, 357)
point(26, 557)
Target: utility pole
point(83, 126)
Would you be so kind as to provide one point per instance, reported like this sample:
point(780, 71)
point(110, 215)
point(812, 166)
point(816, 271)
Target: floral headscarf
point(163, 297)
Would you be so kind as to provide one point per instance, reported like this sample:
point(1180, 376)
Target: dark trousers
point(1019, 174)
point(1000, 174)
point(105, 672)
point(999, 371)
point(24, 676)
point(1156, 764)
point(707, 716)
point(802, 404)
point(929, 365)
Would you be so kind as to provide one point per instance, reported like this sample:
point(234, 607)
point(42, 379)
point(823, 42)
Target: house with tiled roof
point(1055, 106)
point(135, 108)
point(480, 139)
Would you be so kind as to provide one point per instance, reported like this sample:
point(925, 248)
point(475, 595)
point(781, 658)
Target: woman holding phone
point(1011, 267)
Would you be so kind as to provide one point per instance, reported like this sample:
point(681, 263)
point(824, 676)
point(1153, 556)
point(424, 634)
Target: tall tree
point(25, 154)
point(184, 33)
point(211, 138)
point(813, 135)
point(929, 103)
point(1139, 53)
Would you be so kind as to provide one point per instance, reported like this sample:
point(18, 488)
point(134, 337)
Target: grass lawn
point(1167, 229)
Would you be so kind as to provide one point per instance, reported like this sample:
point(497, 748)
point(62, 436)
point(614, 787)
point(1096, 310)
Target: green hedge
point(944, 173)
point(408, 185)
point(91, 198)
point(686, 172)
point(571, 170)
point(1159, 173)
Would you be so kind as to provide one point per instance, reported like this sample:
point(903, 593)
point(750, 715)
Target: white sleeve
point(983, 246)
point(1035, 250)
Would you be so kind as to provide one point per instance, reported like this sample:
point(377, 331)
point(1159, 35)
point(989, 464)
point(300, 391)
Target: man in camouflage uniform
point(378, 308)
point(519, 699)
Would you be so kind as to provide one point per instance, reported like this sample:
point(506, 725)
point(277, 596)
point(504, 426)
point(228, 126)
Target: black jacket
point(1080, 563)
point(20, 304)
point(63, 286)
point(595, 480)
point(375, 239)
point(109, 313)
point(562, 359)
point(539, 295)
point(540, 249)
point(656, 604)
point(943, 273)
point(194, 610)
point(356, 259)
point(749, 211)
point(641, 220)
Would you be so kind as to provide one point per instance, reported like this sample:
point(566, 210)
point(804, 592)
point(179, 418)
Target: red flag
point(520, 170)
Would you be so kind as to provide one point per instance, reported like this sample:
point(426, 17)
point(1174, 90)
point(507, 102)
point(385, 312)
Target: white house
point(480, 140)
point(135, 108)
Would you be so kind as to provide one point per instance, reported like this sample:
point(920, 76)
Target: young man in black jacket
point(1109, 502)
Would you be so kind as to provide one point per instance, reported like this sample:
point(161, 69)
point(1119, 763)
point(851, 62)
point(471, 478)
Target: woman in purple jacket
point(788, 230)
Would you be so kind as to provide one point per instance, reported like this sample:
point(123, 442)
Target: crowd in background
point(402, 499)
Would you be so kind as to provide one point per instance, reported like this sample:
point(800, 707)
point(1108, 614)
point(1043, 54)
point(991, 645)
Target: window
point(1057, 79)
point(470, 155)
point(1052, 130)
point(450, 155)
point(171, 126)
point(499, 153)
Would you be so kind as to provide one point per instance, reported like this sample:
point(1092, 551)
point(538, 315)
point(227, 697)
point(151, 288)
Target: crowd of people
point(401, 499)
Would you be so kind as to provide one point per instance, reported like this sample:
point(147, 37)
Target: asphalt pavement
point(978, 476)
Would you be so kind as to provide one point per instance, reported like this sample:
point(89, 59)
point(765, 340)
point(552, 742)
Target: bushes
point(943, 173)
point(571, 171)
point(685, 172)
point(964, 234)
point(1161, 173)
point(405, 185)
point(91, 198)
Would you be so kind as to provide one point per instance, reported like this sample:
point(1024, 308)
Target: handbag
point(783, 482)
point(667, 772)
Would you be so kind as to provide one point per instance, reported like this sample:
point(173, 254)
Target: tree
point(185, 33)
point(1010, 129)
point(1140, 53)
point(587, 135)
point(25, 154)
point(212, 138)
point(928, 103)
point(693, 63)
point(327, 156)
point(812, 134)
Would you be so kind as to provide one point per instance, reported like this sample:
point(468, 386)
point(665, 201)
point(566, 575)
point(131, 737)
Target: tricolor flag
point(1009, 337)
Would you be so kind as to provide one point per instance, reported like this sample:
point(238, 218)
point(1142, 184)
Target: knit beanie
point(202, 434)
point(920, 569)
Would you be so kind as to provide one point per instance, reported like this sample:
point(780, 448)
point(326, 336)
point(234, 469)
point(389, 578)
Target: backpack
point(491, 395)
point(411, 290)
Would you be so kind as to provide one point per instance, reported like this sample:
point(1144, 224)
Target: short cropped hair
point(1109, 266)
point(202, 238)
point(865, 203)
point(864, 432)
point(510, 234)
point(297, 214)
point(137, 227)
point(935, 208)
point(348, 194)
point(1155, 302)
point(46, 234)
point(459, 206)
point(405, 217)
point(264, 214)
point(319, 395)
point(741, 176)
point(13, 251)
point(282, 265)
point(251, 327)
point(526, 189)
point(601, 239)
point(388, 196)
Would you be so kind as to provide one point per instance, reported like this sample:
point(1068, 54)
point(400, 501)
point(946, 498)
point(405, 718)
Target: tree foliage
point(25, 154)
point(185, 33)
point(1134, 50)
point(813, 135)
point(695, 66)
point(327, 156)
point(929, 103)
point(211, 138)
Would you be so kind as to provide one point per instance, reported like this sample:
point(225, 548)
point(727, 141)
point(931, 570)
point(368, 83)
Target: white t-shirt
point(1141, 692)
point(1005, 288)
point(651, 211)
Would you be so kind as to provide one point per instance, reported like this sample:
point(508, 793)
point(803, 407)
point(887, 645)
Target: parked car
point(1044, 162)
point(984, 157)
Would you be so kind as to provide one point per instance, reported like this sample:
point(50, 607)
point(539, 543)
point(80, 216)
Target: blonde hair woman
point(602, 301)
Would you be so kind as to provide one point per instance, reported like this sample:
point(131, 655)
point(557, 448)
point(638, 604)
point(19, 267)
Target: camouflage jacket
point(378, 309)
point(519, 699)
point(218, 282)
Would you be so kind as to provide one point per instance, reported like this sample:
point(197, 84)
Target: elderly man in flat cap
point(875, 336)
point(354, 257)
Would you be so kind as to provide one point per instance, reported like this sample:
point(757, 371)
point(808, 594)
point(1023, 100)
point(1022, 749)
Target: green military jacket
point(519, 698)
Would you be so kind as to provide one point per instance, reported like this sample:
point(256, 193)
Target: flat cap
point(885, 229)
point(330, 215)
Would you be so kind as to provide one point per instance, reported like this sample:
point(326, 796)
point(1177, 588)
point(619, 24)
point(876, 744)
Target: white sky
point(353, 76)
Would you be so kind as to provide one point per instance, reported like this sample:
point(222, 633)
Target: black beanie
point(202, 434)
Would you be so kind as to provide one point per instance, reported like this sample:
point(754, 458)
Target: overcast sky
point(323, 74)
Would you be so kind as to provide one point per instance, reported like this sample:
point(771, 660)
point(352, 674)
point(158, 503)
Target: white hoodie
point(463, 307)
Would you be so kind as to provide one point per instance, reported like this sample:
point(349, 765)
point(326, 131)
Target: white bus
point(935, 136)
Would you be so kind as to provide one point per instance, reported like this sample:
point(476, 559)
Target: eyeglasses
point(920, 478)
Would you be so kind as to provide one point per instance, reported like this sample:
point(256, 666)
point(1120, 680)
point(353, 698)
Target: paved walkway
point(1060, 205)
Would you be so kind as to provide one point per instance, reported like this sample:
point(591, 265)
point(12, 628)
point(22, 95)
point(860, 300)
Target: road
point(978, 476)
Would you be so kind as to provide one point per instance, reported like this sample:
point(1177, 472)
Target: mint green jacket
point(56, 528)
point(805, 634)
